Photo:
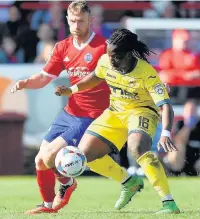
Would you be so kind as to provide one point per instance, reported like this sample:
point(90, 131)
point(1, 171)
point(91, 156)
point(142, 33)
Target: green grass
point(95, 198)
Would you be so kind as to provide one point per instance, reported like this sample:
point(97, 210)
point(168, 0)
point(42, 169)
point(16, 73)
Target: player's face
point(120, 61)
point(79, 24)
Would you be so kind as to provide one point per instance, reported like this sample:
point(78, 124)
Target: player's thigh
point(61, 124)
point(93, 147)
point(76, 131)
point(73, 132)
point(142, 127)
point(105, 134)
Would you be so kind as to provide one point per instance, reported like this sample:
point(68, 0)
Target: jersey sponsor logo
point(111, 76)
point(151, 77)
point(88, 57)
point(78, 71)
point(119, 92)
point(66, 59)
point(159, 89)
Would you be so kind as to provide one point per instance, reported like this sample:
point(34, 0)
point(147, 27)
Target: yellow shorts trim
point(106, 141)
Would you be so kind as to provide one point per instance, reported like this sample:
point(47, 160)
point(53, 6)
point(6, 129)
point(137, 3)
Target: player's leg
point(45, 177)
point(139, 144)
point(46, 183)
point(67, 184)
point(45, 174)
point(105, 166)
point(106, 131)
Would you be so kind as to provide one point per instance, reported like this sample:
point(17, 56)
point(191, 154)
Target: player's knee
point(90, 155)
point(39, 164)
point(49, 159)
point(138, 144)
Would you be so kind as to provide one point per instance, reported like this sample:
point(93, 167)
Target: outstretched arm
point(36, 81)
point(87, 82)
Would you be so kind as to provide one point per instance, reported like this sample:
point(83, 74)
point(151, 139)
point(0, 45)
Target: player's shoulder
point(99, 39)
point(144, 64)
point(146, 68)
point(64, 43)
point(104, 60)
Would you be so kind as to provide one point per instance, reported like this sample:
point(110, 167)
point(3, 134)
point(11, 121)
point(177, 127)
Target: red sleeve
point(165, 61)
point(54, 65)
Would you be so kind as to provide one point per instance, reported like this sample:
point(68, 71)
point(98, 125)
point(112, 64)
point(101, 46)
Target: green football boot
point(169, 207)
point(129, 189)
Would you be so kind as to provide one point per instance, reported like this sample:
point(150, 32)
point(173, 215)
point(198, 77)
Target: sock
point(107, 167)
point(167, 198)
point(48, 204)
point(62, 179)
point(155, 173)
point(46, 183)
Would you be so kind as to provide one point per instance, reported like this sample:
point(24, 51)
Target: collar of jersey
point(75, 43)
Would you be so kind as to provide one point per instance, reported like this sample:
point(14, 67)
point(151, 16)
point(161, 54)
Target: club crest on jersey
point(159, 89)
point(88, 57)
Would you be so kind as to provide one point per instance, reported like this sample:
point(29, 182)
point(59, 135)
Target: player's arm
point(36, 81)
point(159, 94)
point(167, 114)
point(88, 82)
point(50, 71)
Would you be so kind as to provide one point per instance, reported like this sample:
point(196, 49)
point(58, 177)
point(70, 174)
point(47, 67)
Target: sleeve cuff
point(162, 102)
point(47, 74)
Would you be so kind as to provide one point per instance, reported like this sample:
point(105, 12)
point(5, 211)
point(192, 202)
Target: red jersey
point(79, 62)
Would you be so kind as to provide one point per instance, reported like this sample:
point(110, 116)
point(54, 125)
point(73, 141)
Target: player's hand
point(166, 143)
point(21, 84)
point(62, 90)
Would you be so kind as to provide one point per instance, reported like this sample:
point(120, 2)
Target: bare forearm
point(37, 81)
point(167, 117)
point(88, 82)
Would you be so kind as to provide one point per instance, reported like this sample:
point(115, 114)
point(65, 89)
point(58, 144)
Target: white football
point(70, 161)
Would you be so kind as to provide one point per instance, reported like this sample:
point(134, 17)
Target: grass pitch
point(95, 198)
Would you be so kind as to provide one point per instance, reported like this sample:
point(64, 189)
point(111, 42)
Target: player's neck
point(84, 39)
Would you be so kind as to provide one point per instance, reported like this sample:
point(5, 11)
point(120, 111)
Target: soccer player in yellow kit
point(137, 95)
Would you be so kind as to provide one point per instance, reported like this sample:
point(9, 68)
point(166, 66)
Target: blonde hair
point(78, 6)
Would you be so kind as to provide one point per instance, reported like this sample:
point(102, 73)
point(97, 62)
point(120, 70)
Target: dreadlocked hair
point(126, 41)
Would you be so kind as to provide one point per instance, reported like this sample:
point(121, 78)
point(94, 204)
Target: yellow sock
point(155, 173)
point(107, 167)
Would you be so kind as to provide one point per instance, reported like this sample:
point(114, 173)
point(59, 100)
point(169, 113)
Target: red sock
point(46, 182)
point(62, 179)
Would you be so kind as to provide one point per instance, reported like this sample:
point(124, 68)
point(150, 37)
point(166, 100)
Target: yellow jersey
point(141, 87)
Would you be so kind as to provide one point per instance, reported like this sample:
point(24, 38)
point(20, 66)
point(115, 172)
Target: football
point(70, 161)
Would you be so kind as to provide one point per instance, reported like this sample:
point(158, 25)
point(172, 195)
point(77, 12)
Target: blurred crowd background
point(29, 31)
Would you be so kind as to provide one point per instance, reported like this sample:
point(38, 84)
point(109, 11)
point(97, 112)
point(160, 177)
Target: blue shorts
point(70, 128)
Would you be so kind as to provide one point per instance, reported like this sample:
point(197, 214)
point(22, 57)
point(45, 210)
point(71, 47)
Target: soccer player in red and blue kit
point(78, 55)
